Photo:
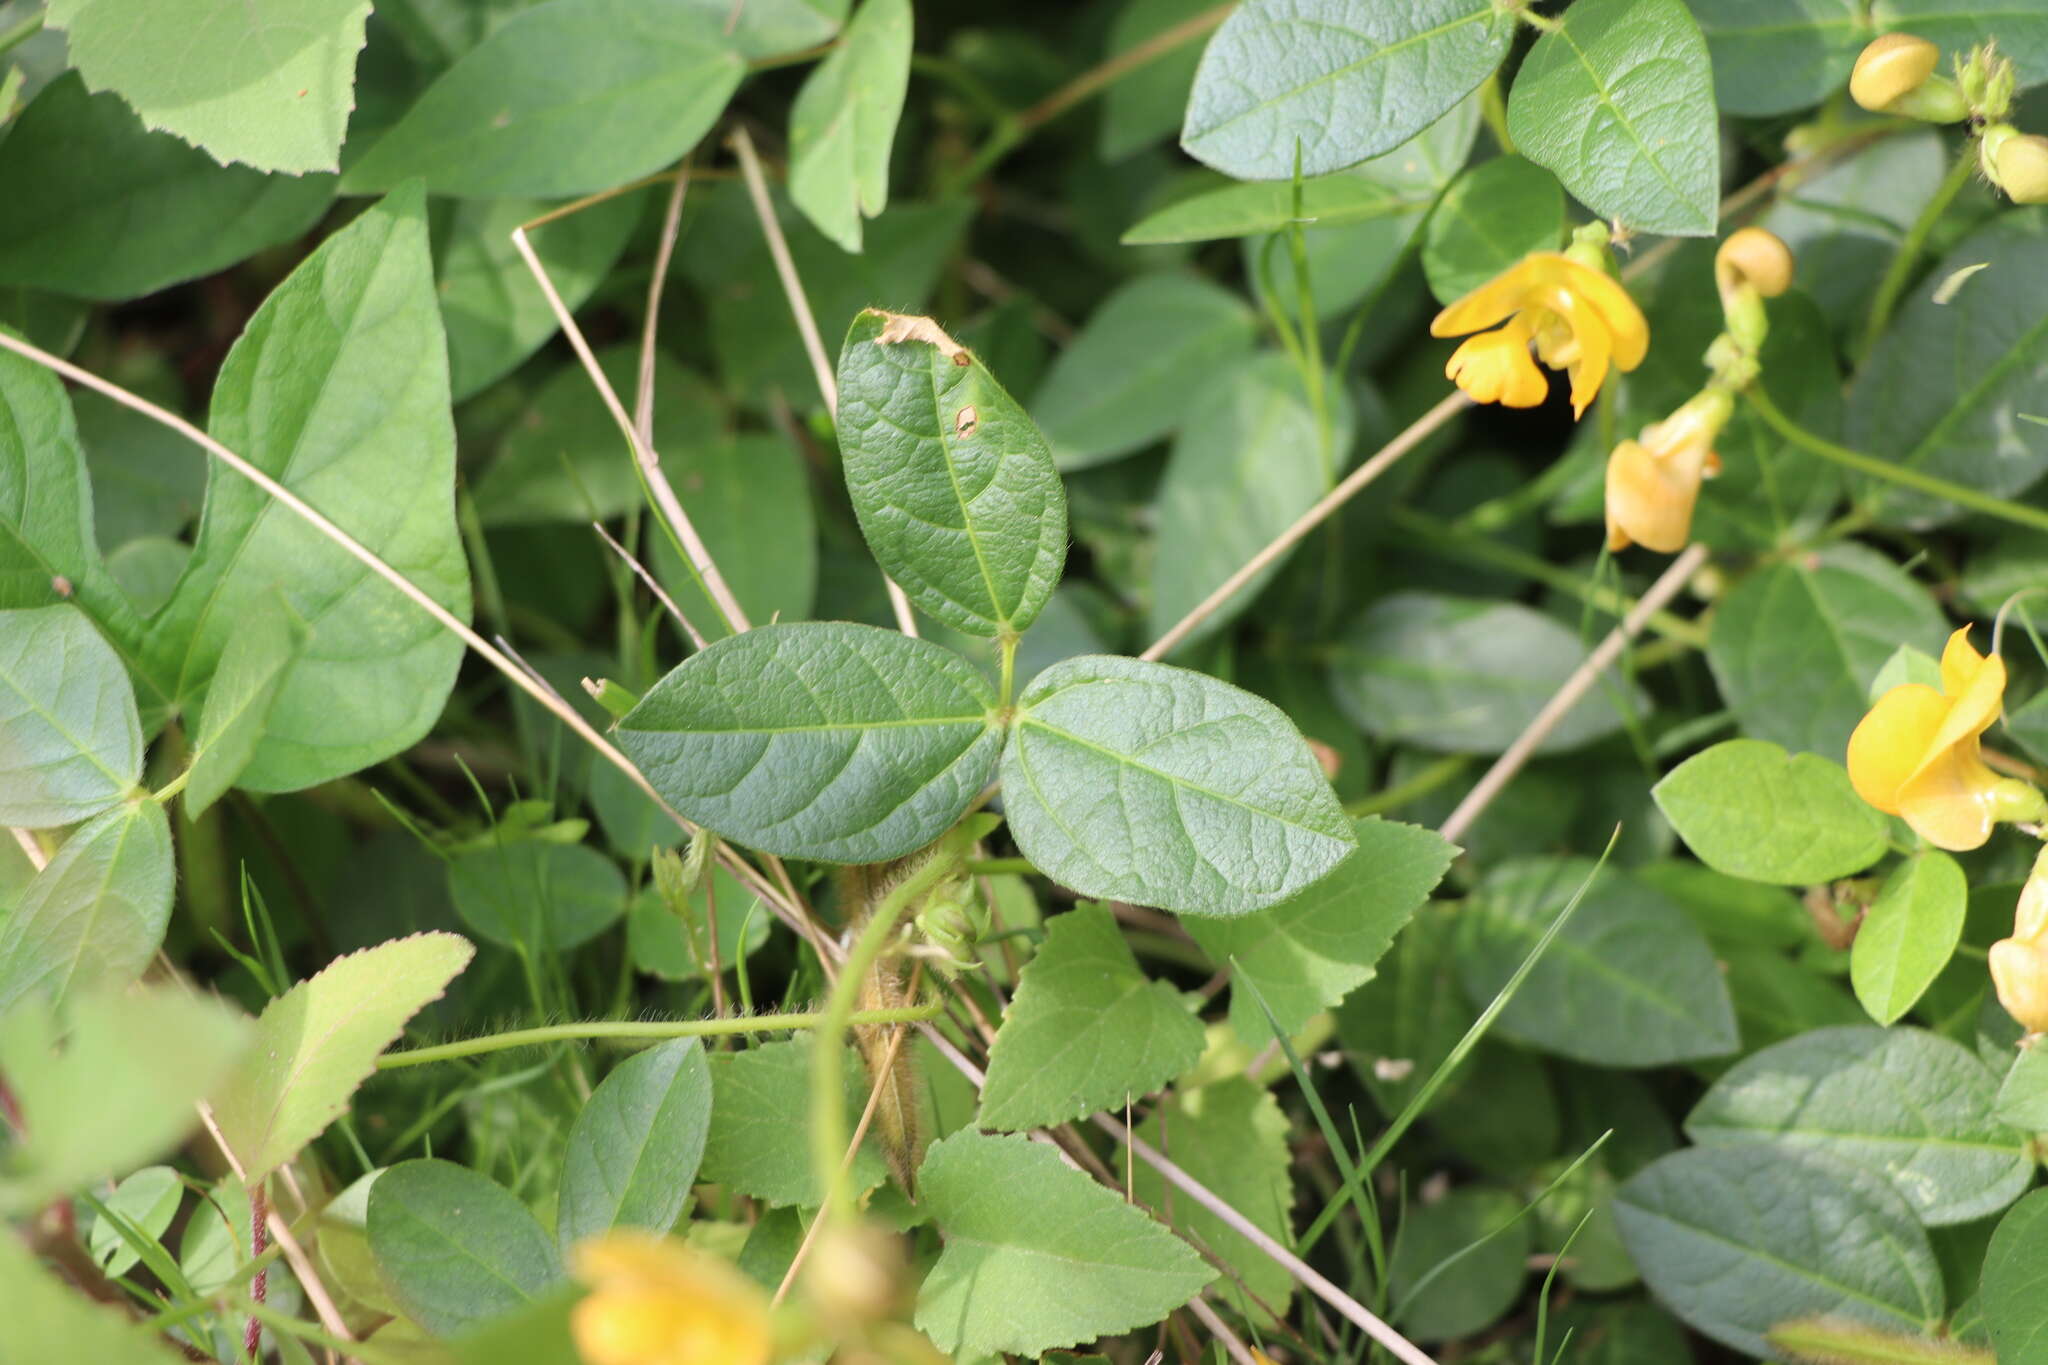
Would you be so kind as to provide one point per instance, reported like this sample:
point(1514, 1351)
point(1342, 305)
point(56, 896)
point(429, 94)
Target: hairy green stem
point(1901, 268)
point(632, 1031)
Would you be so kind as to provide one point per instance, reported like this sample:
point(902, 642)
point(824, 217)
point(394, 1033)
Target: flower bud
point(1754, 256)
point(1893, 65)
point(2021, 162)
point(2019, 969)
point(854, 1274)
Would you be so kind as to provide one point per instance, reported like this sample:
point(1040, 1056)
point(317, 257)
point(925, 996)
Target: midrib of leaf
point(1801, 1131)
point(833, 727)
point(1627, 124)
point(1485, 12)
point(463, 1250)
point(968, 522)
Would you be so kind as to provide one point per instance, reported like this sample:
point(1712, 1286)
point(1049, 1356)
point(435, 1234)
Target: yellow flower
point(655, 1301)
point(1580, 318)
point(1652, 484)
point(2019, 965)
point(1917, 754)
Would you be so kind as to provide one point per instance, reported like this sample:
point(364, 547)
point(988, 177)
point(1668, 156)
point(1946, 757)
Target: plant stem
point(1901, 268)
point(1446, 769)
point(1008, 647)
point(1902, 475)
point(21, 33)
point(259, 1284)
point(628, 1029)
point(995, 867)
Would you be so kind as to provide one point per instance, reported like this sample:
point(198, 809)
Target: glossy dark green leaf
point(634, 1149)
point(120, 212)
point(338, 388)
point(2015, 1283)
point(1774, 56)
point(70, 741)
point(1136, 781)
point(455, 1247)
point(1905, 1104)
point(955, 488)
point(97, 913)
point(843, 123)
point(836, 742)
point(1746, 808)
point(564, 98)
point(1318, 85)
point(1619, 102)
point(1908, 934)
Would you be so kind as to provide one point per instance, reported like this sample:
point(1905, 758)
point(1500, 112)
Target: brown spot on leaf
point(901, 327)
point(61, 586)
point(966, 421)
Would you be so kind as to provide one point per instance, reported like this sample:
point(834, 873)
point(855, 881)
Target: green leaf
point(252, 669)
point(120, 212)
point(1943, 390)
point(660, 944)
point(147, 1201)
point(1037, 1254)
point(545, 897)
point(1906, 665)
point(563, 98)
point(1463, 676)
point(634, 1150)
point(1795, 645)
point(1136, 781)
point(455, 1247)
point(954, 486)
point(491, 305)
point(120, 1091)
point(1146, 104)
point(1086, 1031)
point(1619, 102)
point(1318, 85)
point(1344, 199)
point(96, 915)
point(757, 1144)
point(843, 123)
point(147, 480)
point(270, 85)
point(2015, 1283)
point(750, 497)
point(1908, 934)
point(338, 388)
point(1411, 1014)
point(1844, 224)
point(1125, 379)
point(1744, 808)
point(1910, 1106)
point(1313, 949)
point(47, 1319)
point(1232, 1137)
point(1775, 56)
point(70, 741)
point(320, 1040)
point(1492, 216)
point(1248, 462)
point(1476, 1290)
point(1735, 1246)
point(1956, 26)
point(2023, 1095)
point(828, 741)
point(1629, 982)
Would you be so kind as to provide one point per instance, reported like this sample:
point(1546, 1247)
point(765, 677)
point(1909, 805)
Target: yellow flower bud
point(1893, 65)
point(854, 1274)
point(2022, 165)
point(1754, 256)
point(2019, 969)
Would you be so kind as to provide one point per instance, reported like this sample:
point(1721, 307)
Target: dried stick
point(1575, 687)
point(31, 850)
point(1220, 1329)
point(653, 586)
point(806, 322)
point(671, 224)
point(1418, 430)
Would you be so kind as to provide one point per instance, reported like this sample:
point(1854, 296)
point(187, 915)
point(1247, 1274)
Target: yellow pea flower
point(2019, 965)
point(1917, 754)
point(1653, 484)
point(1579, 317)
point(655, 1301)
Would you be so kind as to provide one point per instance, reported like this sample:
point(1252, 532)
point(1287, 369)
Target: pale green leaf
point(320, 1040)
point(1146, 104)
point(757, 1143)
point(1628, 982)
point(634, 1149)
point(1747, 809)
point(563, 98)
point(1128, 780)
point(1618, 101)
point(768, 28)
point(1908, 934)
point(1313, 949)
point(1086, 1030)
point(70, 740)
point(338, 388)
point(545, 897)
point(835, 742)
point(2015, 1283)
point(1795, 645)
point(1943, 391)
point(238, 700)
point(1910, 1106)
point(2023, 1095)
point(96, 915)
point(147, 1201)
point(1774, 56)
point(119, 1093)
point(1481, 1286)
point(843, 123)
point(270, 85)
point(1491, 216)
point(1318, 85)
point(1126, 378)
point(1343, 199)
point(955, 488)
point(1462, 676)
point(120, 212)
point(1734, 1245)
point(1037, 1254)
point(147, 480)
point(47, 1319)
point(1906, 665)
point(455, 1247)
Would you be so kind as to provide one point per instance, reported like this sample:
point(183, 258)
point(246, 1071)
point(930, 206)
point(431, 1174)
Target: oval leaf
point(455, 1247)
point(97, 913)
point(634, 1150)
point(1136, 781)
point(1747, 809)
point(1774, 56)
point(547, 897)
point(2015, 1283)
point(70, 739)
point(844, 122)
point(1908, 934)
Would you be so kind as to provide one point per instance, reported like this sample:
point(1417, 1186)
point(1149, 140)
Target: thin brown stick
point(1496, 778)
point(806, 321)
point(32, 850)
point(671, 225)
point(1107, 73)
point(660, 594)
point(1418, 431)
point(1220, 1329)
